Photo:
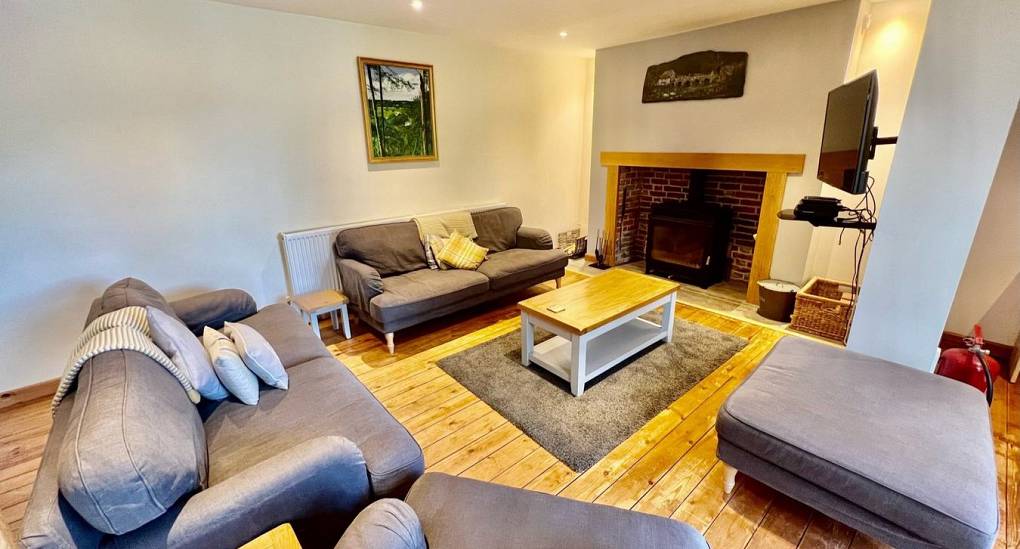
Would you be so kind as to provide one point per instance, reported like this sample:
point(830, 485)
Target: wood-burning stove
point(687, 240)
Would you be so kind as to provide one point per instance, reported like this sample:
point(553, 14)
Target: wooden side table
point(281, 537)
point(313, 304)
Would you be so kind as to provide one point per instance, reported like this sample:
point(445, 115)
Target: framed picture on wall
point(398, 103)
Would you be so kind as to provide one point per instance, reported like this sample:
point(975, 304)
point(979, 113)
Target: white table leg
point(527, 339)
point(315, 325)
point(668, 312)
point(347, 321)
point(334, 320)
point(578, 363)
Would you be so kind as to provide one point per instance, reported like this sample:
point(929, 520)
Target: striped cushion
point(435, 245)
point(461, 253)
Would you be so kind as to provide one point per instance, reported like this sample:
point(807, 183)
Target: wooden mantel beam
point(748, 162)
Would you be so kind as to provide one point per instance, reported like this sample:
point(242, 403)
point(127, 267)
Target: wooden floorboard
point(667, 468)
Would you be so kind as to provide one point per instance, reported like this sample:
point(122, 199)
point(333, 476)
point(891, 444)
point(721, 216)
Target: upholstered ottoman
point(901, 454)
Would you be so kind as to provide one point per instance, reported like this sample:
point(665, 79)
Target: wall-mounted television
point(849, 137)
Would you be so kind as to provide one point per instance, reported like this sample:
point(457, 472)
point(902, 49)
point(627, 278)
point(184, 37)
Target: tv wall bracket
point(824, 212)
point(876, 141)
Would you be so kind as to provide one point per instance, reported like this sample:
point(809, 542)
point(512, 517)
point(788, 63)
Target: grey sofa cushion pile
point(390, 248)
point(117, 469)
point(134, 446)
point(905, 453)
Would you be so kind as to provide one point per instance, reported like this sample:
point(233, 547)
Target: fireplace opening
point(687, 239)
point(695, 226)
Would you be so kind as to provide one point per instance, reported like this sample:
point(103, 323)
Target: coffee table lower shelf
point(604, 351)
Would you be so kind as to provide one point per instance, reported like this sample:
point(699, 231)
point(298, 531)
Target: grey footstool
point(444, 512)
point(900, 454)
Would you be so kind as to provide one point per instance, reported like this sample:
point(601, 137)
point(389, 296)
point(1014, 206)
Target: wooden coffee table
point(599, 325)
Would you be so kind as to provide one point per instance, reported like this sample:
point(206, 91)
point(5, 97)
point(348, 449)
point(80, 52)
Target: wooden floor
point(667, 468)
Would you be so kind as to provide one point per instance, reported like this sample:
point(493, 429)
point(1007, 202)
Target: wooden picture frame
point(412, 137)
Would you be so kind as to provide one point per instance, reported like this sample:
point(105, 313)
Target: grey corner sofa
point(901, 454)
point(445, 512)
point(384, 272)
point(129, 450)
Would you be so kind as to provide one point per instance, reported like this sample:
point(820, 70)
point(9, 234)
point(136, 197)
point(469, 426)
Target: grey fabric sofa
point(313, 455)
point(384, 272)
point(444, 512)
point(903, 455)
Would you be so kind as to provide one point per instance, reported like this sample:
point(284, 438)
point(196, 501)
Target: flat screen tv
point(849, 134)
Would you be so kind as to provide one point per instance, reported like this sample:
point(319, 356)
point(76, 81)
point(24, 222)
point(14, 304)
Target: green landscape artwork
point(398, 104)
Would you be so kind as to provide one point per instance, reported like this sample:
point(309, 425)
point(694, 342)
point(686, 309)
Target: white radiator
point(308, 259)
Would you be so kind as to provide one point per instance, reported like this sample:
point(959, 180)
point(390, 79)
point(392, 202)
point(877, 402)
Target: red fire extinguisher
point(972, 365)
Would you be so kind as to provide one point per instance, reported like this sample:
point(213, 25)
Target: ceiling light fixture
point(563, 34)
point(417, 5)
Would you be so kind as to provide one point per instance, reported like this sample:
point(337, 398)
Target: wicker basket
point(824, 308)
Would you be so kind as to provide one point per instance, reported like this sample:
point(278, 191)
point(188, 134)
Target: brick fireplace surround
point(665, 175)
point(641, 188)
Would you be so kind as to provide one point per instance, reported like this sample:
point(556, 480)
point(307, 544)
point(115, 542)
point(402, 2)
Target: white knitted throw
point(125, 329)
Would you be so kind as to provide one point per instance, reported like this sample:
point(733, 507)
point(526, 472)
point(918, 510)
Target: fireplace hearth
point(688, 239)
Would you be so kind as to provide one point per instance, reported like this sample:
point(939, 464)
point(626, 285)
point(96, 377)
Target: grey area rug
point(582, 430)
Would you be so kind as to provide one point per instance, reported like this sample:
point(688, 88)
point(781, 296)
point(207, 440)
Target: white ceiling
point(536, 24)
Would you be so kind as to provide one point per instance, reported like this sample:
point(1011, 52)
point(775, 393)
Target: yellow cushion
point(461, 253)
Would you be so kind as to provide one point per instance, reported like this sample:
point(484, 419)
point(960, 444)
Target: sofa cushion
point(186, 352)
point(230, 368)
point(418, 291)
point(258, 355)
point(460, 512)
point(497, 228)
point(134, 445)
point(906, 445)
point(324, 399)
point(461, 253)
point(291, 338)
point(385, 524)
point(214, 308)
point(128, 292)
point(390, 248)
point(510, 267)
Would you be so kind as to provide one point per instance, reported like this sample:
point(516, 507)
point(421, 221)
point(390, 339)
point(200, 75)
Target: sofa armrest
point(360, 282)
point(320, 478)
point(214, 308)
point(534, 239)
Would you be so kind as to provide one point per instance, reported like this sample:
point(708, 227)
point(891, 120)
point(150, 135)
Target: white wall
point(961, 105)
point(172, 141)
point(989, 291)
point(890, 45)
point(794, 59)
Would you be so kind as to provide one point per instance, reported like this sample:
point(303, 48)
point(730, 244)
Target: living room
point(401, 258)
